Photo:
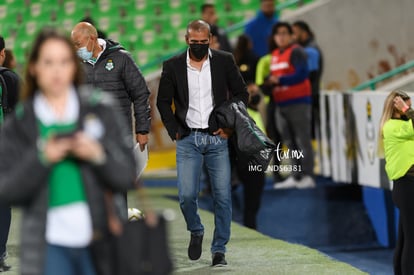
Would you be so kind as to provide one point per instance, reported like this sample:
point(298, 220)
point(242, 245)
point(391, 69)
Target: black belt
point(199, 130)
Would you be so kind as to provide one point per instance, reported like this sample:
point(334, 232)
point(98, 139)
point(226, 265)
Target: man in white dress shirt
point(197, 81)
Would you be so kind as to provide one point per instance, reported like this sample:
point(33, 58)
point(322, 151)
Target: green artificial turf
point(248, 251)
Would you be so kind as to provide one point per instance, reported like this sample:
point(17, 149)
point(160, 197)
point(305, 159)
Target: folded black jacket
point(250, 143)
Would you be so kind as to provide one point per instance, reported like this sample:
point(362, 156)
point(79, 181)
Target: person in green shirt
point(67, 142)
point(396, 144)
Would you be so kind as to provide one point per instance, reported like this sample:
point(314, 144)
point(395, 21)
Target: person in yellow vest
point(396, 143)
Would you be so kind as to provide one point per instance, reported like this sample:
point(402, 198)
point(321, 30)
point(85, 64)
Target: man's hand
point(224, 132)
point(142, 139)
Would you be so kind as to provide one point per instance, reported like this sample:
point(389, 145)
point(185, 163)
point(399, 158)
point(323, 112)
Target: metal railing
point(372, 83)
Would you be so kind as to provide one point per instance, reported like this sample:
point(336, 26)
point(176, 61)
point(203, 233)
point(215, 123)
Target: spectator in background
point(10, 60)
point(66, 140)
point(214, 41)
point(12, 83)
point(209, 15)
point(292, 96)
point(9, 84)
point(262, 81)
point(253, 181)
point(304, 36)
point(396, 141)
point(246, 59)
point(259, 28)
point(110, 67)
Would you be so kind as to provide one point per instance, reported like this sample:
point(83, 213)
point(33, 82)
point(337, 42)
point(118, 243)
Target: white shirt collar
point(44, 112)
point(101, 43)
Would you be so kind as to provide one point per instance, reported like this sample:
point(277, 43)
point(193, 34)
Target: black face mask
point(199, 50)
point(254, 100)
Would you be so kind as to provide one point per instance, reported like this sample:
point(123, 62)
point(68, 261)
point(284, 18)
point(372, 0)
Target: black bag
point(142, 249)
point(132, 248)
point(139, 250)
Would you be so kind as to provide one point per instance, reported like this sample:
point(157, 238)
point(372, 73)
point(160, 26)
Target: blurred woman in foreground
point(65, 140)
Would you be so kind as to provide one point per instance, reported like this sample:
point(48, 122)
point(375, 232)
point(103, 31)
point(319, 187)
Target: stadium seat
point(149, 29)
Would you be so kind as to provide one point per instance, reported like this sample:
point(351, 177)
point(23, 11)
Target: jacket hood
point(111, 46)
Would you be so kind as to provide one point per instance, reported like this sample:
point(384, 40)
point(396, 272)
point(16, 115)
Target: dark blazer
point(226, 83)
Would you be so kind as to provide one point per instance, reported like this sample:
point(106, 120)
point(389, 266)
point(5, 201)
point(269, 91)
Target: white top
point(44, 112)
point(200, 95)
point(68, 225)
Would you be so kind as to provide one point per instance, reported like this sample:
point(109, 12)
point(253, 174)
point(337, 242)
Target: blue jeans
point(5, 219)
point(68, 261)
point(192, 152)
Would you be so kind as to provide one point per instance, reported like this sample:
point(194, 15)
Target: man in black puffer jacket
point(110, 67)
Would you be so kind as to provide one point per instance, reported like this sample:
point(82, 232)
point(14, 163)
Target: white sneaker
point(306, 182)
point(290, 182)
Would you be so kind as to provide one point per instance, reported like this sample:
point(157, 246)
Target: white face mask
point(84, 53)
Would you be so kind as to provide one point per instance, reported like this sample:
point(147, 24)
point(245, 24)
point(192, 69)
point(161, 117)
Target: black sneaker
point(194, 248)
point(4, 266)
point(219, 259)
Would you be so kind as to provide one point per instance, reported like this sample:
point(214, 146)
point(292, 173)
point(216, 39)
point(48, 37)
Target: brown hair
point(31, 86)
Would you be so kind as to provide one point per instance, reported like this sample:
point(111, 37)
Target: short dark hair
point(281, 24)
point(197, 25)
point(303, 26)
point(206, 6)
point(2, 44)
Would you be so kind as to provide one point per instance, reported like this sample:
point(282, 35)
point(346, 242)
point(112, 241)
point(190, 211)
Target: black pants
point(5, 219)
point(274, 135)
point(253, 184)
point(403, 197)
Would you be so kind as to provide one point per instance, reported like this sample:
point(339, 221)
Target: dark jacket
point(116, 72)
point(226, 83)
point(26, 184)
point(12, 82)
point(250, 143)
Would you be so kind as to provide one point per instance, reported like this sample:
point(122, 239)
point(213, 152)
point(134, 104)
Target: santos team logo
point(109, 65)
